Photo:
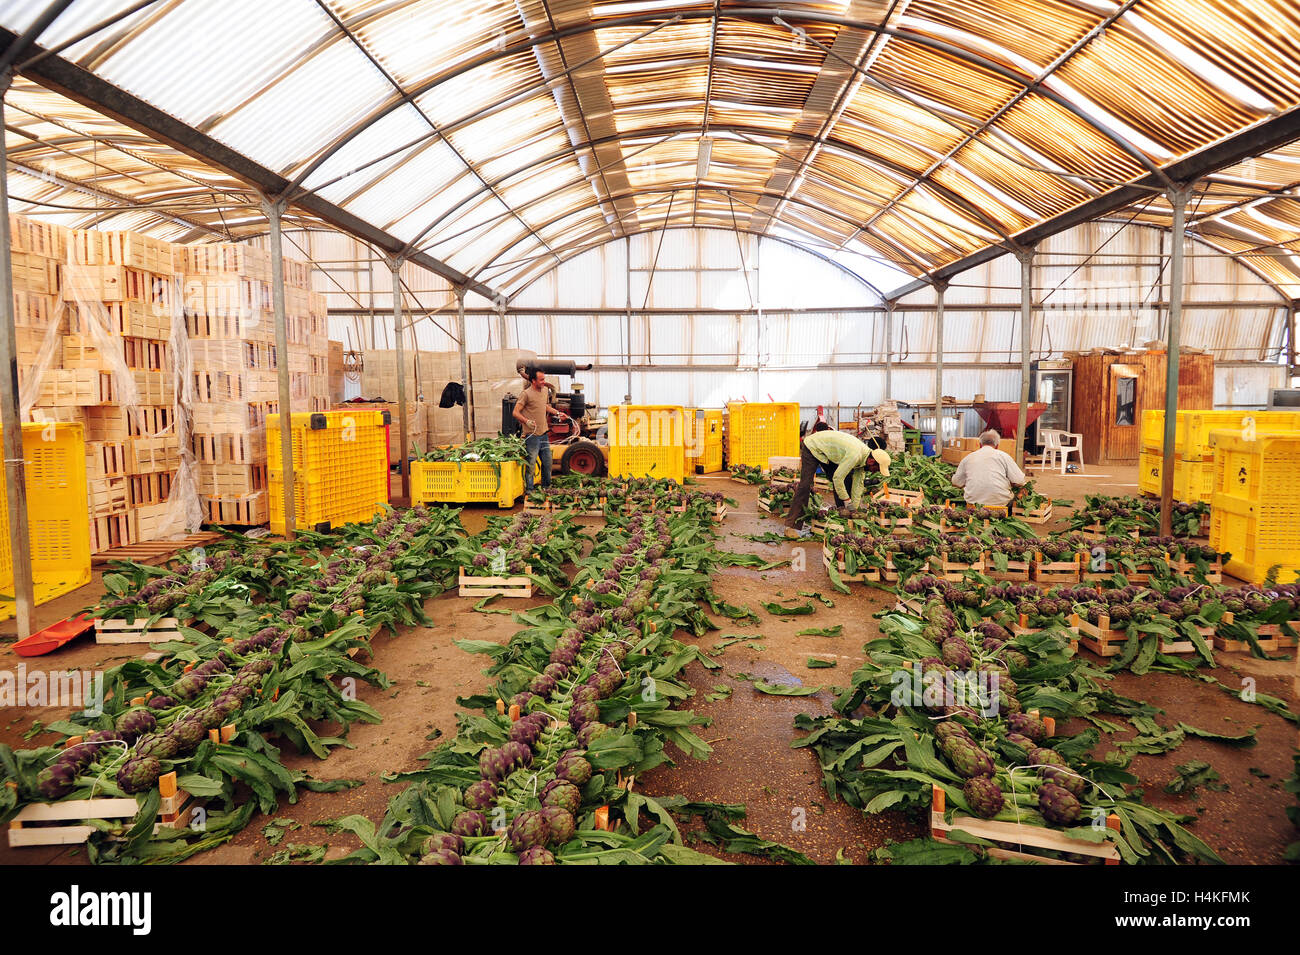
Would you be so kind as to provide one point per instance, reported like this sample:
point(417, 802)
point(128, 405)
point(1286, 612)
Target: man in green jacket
point(850, 457)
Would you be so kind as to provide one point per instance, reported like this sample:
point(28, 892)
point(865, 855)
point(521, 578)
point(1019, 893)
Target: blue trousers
point(539, 445)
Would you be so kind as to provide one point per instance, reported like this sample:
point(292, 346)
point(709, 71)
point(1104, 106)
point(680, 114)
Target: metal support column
point(464, 360)
point(11, 416)
point(403, 427)
point(1178, 200)
point(889, 350)
point(939, 289)
point(627, 272)
point(273, 210)
point(1290, 342)
point(1026, 257)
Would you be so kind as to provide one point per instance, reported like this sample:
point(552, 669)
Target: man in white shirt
point(987, 475)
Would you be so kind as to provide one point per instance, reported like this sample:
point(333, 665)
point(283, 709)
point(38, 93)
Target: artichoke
point(1058, 805)
point(157, 746)
point(573, 768)
point(560, 824)
point(1046, 757)
point(139, 774)
point(188, 732)
point(590, 731)
point(528, 829)
point(134, 723)
point(536, 855)
point(55, 782)
point(956, 653)
point(481, 794)
point(563, 795)
point(1072, 783)
point(442, 857)
point(447, 841)
point(470, 823)
point(984, 796)
point(968, 758)
point(949, 728)
point(1025, 724)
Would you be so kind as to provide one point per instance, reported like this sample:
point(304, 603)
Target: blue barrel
point(927, 445)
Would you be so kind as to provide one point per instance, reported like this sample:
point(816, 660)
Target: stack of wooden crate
point(117, 289)
point(36, 250)
point(98, 307)
point(231, 328)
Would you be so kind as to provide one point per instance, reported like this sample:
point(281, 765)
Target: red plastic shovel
point(55, 636)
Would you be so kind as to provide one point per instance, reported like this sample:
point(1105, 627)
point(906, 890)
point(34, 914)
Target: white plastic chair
point(1058, 446)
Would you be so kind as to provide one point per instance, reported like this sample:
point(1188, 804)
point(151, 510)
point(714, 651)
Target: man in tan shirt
point(531, 411)
point(987, 475)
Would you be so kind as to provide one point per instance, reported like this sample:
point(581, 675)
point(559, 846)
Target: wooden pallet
point(952, 570)
point(1024, 837)
point(471, 586)
point(1055, 571)
point(1105, 642)
point(117, 630)
point(1017, 570)
point(1037, 515)
point(67, 822)
point(872, 576)
point(155, 552)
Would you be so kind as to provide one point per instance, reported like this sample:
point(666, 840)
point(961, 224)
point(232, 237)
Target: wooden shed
point(1111, 390)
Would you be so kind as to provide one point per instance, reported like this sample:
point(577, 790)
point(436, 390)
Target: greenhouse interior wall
point(716, 316)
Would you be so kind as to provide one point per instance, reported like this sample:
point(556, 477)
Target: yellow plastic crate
point(651, 426)
point(1264, 471)
point(758, 431)
point(1193, 480)
point(1258, 537)
point(647, 441)
point(1193, 429)
point(665, 462)
point(466, 482)
point(340, 468)
point(57, 511)
point(704, 449)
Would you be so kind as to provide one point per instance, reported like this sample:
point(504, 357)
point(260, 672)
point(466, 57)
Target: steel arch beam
point(82, 86)
point(753, 14)
point(643, 230)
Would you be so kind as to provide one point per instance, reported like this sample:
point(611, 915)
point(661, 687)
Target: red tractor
point(581, 438)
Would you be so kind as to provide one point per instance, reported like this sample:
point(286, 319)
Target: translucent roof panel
point(489, 133)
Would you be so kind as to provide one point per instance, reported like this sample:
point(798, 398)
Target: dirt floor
point(752, 762)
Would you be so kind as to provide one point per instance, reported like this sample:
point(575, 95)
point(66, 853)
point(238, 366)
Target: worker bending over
point(988, 475)
point(850, 457)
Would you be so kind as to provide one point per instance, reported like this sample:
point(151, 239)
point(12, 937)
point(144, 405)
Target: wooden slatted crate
point(1056, 571)
point(474, 586)
point(248, 510)
point(1029, 841)
point(230, 448)
point(111, 531)
point(88, 247)
point(108, 495)
point(68, 822)
point(152, 455)
point(147, 489)
point(117, 630)
point(35, 273)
